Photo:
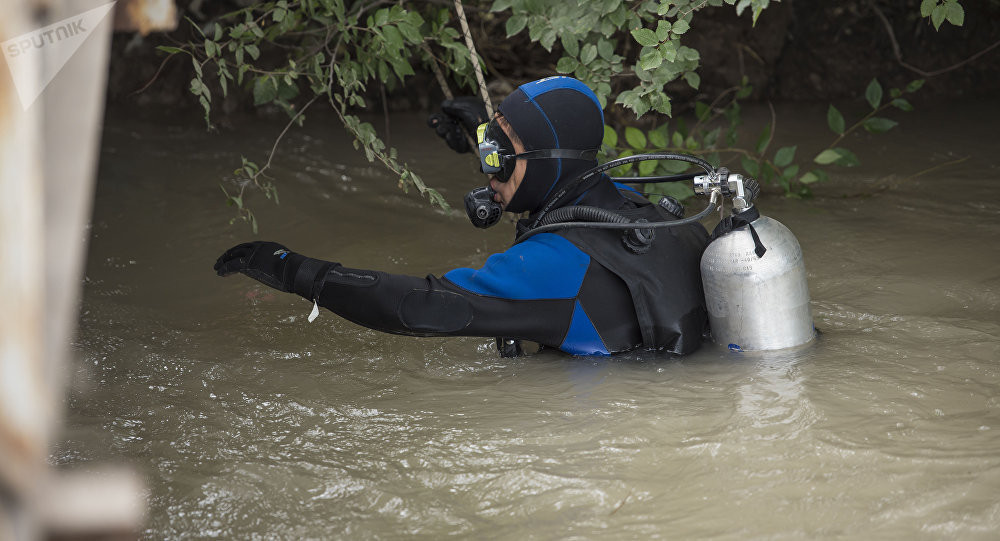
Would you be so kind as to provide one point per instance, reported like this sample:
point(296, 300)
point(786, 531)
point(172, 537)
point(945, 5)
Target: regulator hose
point(587, 179)
point(598, 218)
point(583, 214)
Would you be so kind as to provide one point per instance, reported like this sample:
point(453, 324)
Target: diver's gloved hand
point(274, 265)
point(463, 111)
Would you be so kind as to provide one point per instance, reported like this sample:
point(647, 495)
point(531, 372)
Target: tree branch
point(923, 73)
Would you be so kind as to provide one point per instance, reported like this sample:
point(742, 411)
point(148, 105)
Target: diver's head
point(543, 135)
point(556, 113)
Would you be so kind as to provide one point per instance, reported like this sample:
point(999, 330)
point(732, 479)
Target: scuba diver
point(584, 291)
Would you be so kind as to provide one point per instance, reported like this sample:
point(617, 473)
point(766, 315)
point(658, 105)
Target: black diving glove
point(274, 265)
point(463, 111)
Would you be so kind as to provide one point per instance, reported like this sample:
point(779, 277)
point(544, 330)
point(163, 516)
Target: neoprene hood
point(555, 112)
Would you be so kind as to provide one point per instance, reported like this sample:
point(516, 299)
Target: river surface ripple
point(250, 423)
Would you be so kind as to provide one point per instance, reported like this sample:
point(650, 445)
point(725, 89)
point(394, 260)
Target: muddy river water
point(248, 422)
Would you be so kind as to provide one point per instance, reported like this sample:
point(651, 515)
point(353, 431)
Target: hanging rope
point(475, 58)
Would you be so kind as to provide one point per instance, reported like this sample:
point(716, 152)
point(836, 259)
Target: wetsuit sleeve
point(527, 292)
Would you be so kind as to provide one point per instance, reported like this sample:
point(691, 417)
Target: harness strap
point(737, 221)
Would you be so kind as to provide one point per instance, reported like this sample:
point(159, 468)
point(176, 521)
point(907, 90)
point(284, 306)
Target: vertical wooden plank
point(48, 159)
point(26, 404)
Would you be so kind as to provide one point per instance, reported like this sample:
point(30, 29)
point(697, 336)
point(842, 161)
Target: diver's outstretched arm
point(410, 305)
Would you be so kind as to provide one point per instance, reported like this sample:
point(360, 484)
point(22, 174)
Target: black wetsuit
point(549, 289)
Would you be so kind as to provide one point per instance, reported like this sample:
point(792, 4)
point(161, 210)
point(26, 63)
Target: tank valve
point(729, 185)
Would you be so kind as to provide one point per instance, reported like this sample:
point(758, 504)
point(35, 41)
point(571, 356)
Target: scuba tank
point(753, 274)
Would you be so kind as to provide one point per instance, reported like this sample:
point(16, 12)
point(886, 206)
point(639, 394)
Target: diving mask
point(497, 156)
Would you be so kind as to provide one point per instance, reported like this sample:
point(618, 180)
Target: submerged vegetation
point(290, 55)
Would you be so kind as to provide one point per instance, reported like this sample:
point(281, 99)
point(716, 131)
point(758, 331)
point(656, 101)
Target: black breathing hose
point(598, 218)
point(587, 176)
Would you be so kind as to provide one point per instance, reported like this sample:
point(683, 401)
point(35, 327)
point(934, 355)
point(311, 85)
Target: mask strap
point(562, 153)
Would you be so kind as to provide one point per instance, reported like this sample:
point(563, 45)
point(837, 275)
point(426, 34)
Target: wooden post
point(27, 404)
point(48, 161)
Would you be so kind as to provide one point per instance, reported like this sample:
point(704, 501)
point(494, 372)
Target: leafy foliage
point(943, 10)
point(328, 49)
point(717, 131)
point(290, 54)
point(599, 39)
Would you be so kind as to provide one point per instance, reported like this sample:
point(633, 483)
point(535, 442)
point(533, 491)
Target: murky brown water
point(249, 422)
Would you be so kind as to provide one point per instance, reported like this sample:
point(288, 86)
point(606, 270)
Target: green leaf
point(955, 13)
point(938, 15)
point(668, 50)
point(677, 190)
point(827, 157)
point(693, 79)
point(253, 51)
point(636, 139)
point(501, 5)
point(393, 36)
point(610, 137)
point(605, 48)
point(171, 50)
point(926, 7)
point(515, 24)
point(548, 39)
point(874, 94)
point(645, 37)
point(566, 64)
point(784, 156)
point(914, 85)
point(647, 167)
point(662, 30)
point(650, 61)
point(839, 156)
point(570, 44)
point(750, 166)
point(809, 178)
point(588, 53)
point(835, 120)
point(681, 27)
point(658, 138)
point(264, 91)
point(790, 172)
point(879, 125)
point(410, 32)
point(902, 104)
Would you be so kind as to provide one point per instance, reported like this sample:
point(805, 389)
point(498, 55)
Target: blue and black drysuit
point(578, 290)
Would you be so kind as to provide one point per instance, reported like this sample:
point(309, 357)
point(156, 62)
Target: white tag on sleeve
point(315, 312)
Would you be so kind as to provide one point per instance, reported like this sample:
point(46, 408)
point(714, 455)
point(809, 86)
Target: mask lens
point(495, 151)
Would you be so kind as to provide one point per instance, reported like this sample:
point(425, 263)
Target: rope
point(475, 58)
point(438, 74)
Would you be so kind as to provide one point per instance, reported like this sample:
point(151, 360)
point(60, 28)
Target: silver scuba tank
point(756, 302)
